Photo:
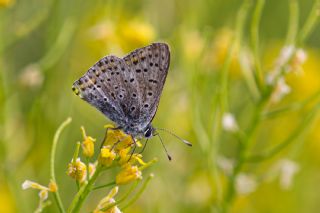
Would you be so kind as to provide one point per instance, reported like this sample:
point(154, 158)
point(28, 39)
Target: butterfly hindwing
point(102, 87)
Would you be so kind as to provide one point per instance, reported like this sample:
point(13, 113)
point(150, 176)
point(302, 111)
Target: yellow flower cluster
point(116, 151)
point(117, 143)
point(116, 147)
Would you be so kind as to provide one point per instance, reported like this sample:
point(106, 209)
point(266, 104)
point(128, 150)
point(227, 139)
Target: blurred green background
point(46, 45)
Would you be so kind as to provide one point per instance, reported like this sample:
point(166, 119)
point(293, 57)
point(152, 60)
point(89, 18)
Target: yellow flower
point(107, 201)
point(87, 144)
point(121, 139)
point(193, 44)
point(128, 174)
point(53, 186)
point(77, 170)
point(125, 155)
point(106, 156)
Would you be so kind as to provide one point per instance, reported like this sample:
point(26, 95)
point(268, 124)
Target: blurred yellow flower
point(77, 170)
point(6, 3)
point(106, 156)
point(219, 50)
point(87, 144)
point(106, 202)
point(193, 44)
point(128, 174)
point(6, 200)
point(136, 32)
point(122, 35)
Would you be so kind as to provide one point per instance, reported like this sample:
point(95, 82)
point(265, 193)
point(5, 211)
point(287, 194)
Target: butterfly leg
point(145, 144)
point(134, 147)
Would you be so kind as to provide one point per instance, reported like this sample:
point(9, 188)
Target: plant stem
point(104, 185)
point(133, 186)
point(255, 42)
point(310, 23)
point(243, 147)
point(138, 193)
point(300, 130)
point(83, 192)
point(293, 22)
point(241, 17)
point(52, 161)
point(292, 107)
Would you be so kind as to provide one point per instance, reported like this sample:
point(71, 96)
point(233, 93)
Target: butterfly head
point(149, 131)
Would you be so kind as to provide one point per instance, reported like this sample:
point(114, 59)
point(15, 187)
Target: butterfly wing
point(150, 66)
point(127, 90)
point(103, 87)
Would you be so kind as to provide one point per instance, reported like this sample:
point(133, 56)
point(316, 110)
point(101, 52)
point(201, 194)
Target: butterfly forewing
point(150, 65)
point(127, 90)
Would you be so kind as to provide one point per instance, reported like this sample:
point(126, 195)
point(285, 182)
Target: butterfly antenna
point(164, 147)
point(176, 136)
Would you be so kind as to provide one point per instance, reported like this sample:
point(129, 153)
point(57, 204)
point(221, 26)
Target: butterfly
point(127, 90)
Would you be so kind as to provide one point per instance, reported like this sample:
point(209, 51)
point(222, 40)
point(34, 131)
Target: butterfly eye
point(148, 132)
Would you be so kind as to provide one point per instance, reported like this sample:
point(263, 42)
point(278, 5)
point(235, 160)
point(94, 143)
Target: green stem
point(310, 23)
point(255, 41)
point(292, 107)
point(52, 161)
point(83, 192)
point(241, 16)
point(300, 130)
point(88, 172)
point(113, 183)
point(76, 152)
point(135, 198)
point(230, 194)
point(293, 22)
point(58, 48)
point(133, 186)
